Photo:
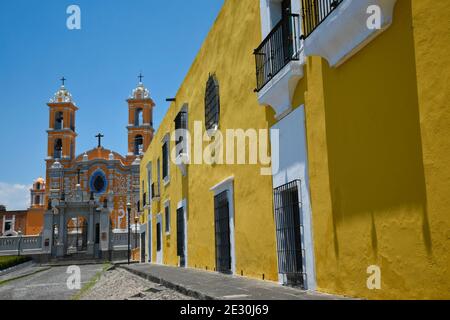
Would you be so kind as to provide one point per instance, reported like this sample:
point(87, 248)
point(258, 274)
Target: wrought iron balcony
point(281, 46)
point(315, 12)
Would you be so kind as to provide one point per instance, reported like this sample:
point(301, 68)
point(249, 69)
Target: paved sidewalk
point(211, 285)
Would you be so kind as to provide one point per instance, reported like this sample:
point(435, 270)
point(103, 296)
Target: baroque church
point(79, 184)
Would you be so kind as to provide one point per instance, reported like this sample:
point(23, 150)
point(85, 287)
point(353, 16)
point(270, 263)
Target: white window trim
point(166, 139)
point(149, 238)
point(283, 175)
point(228, 185)
point(149, 183)
point(12, 221)
point(159, 219)
point(167, 205)
point(183, 204)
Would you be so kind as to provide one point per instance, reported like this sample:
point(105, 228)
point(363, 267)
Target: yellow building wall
point(378, 129)
point(227, 52)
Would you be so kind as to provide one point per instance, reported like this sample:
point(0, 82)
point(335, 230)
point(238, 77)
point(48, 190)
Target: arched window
point(37, 200)
point(138, 144)
point(38, 186)
point(59, 121)
point(138, 117)
point(212, 103)
point(57, 151)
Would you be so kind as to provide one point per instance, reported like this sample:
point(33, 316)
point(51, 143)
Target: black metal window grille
point(222, 232)
point(165, 160)
point(315, 12)
point(212, 103)
point(289, 232)
point(281, 46)
point(181, 124)
point(167, 218)
point(180, 235)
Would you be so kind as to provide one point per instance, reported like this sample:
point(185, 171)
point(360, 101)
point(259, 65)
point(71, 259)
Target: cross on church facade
point(99, 137)
point(140, 77)
point(63, 80)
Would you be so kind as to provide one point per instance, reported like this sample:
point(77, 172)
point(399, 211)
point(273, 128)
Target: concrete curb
point(15, 268)
point(72, 263)
point(3, 282)
point(171, 285)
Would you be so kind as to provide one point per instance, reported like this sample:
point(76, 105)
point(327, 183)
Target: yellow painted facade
point(378, 129)
point(378, 156)
point(227, 52)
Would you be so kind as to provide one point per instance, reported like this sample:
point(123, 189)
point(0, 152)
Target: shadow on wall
point(373, 133)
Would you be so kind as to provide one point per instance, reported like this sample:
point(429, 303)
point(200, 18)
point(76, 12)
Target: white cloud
point(15, 196)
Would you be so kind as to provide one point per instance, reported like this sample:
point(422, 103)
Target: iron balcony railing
point(315, 12)
point(281, 46)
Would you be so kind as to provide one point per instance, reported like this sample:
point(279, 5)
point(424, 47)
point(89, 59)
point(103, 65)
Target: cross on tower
point(63, 80)
point(140, 77)
point(99, 137)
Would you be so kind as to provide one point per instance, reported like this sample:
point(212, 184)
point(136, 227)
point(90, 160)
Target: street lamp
point(128, 211)
point(136, 219)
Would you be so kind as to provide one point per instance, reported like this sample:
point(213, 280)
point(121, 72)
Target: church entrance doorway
point(77, 235)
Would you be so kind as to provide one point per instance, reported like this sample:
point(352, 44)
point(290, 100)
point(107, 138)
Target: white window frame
point(12, 220)
point(159, 219)
point(269, 9)
point(228, 185)
point(167, 206)
point(149, 183)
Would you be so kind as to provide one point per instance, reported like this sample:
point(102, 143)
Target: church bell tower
point(140, 120)
point(61, 132)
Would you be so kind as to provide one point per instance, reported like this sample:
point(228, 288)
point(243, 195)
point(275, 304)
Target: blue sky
point(118, 39)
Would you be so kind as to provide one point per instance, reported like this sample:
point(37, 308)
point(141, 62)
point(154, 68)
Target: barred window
point(212, 103)
point(180, 125)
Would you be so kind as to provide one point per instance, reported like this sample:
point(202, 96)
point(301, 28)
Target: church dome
point(39, 184)
point(62, 96)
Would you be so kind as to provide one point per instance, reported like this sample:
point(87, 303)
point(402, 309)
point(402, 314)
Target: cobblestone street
point(119, 284)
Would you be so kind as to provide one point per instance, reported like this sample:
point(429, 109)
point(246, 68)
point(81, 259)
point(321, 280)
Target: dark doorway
point(222, 231)
point(158, 236)
point(180, 237)
point(288, 232)
point(143, 247)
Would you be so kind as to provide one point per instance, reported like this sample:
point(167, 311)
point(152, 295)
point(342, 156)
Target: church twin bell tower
point(77, 170)
point(62, 114)
point(92, 197)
